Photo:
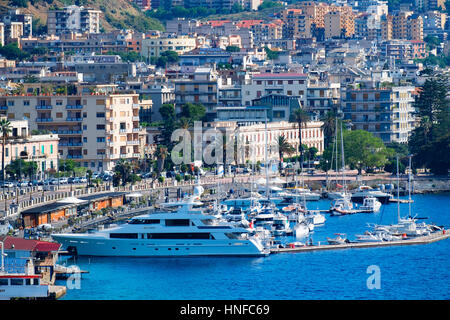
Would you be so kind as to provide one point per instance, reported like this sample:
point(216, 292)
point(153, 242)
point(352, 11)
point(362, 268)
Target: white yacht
point(21, 285)
point(306, 194)
point(280, 225)
point(184, 232)
point(338, 195)
point(237, 217)
point(370, 205)
point(365, 191)
point(342, 206)
point(301, 230)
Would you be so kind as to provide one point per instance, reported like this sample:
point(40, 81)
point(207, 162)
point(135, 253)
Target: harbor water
point(405, 272)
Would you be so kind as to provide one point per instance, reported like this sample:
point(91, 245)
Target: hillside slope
point(117, 14)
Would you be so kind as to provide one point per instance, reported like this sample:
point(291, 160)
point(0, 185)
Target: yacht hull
point(162, 248)
point(360, 199)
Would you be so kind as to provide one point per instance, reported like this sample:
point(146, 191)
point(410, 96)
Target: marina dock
point(437, 236)
point(56, 292)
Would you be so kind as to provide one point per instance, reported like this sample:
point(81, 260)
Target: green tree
point(233, 49)
point(284, 147)
point(329, 128)
point(300, 117)
point(430, 137)
point(364, 151)
point(193, 111)
point(11, 51)
point(161, 154)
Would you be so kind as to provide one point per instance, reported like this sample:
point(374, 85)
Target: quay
point(56, 292)
point(437, 236)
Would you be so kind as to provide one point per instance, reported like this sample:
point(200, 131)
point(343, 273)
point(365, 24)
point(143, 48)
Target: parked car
point(63, 180)
point(83, 180)
point(23, 183)
point(6, 184)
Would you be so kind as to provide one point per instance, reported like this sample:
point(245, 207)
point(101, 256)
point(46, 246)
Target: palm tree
point(329, 128)
point(284, 147)
point(300, 117)
point(184, 123)
point(5, 130)
point(161, 154)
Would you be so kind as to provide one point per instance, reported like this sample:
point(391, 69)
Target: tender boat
point(183, 232)
point(370, 205)
point(301, 230)
point(340, 239)
point(342, 206)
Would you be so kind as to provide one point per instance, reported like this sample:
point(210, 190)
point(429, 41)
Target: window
point(59, 102)
point(51, 149)
point(85, 153)
point(10, 103)
point(100, 127)
point(196, 235)
point(123, 235)
point(84, 139)
point(100, 139)
point(177, 222)
point(100, 114)
point(3, 282)
point(42, 150)
point(59, 115)
point(26, 102)
point(17, 282)
point(144, 221)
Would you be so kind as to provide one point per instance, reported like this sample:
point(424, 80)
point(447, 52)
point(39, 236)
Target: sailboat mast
point(409, 186)
point(398, 194)
point(267, 162)
point(336, 140)
point(343, 160)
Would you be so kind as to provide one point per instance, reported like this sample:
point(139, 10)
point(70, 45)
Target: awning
point(134, 195)
point(71, 200)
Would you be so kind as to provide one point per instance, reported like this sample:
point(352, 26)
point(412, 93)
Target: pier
point(437, 236)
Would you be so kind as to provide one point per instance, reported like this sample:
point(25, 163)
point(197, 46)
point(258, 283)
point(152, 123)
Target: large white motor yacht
point(184, 232)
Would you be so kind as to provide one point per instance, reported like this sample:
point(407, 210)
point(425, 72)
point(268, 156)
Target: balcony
point(135, 118)
point(67, 132)
point(74, 119)
point(44, 119)
point(136, 106)
point(136, 155)
point(137, 130)
point(133, 142)
point(74, 106)
point(123, 155)
point(44, 107)
point(110, 119)
point(74, 156)
point(3, 107)
point(71, 144)
point(123, 131)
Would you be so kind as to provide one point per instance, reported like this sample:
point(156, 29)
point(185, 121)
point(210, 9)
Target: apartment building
point(95, 129)
point(288, 84)
point(16, 17)
point(386, 112)
point(202, 89)
point(73, 19)
point(403, 25)
point(154, 46)
point(296, 24)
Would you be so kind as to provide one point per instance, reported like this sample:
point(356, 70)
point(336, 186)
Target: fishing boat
point(370, 205)
point(182, 232)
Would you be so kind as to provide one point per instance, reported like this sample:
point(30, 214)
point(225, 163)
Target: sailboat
point(339, 194)
point(342, 205)
point(406, 226)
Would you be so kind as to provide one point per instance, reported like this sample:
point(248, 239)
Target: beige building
point(42, 148)
point(95, 129)
point(153, 47)
point(404, 25)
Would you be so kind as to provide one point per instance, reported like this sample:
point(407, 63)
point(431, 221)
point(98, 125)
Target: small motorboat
point(370, 205)
point(340, 239)
point(301, 230)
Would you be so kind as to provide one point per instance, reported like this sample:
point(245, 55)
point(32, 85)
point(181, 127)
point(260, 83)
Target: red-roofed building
point(24, 255)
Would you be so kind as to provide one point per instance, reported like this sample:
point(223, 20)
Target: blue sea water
point(406, 272)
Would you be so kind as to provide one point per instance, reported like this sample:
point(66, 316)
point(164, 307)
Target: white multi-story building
point(73, 19)
point(95, 129)
point(288, 84)
point(252, 137)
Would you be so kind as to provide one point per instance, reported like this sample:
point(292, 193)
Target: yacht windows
point(16, 282)
point(144, 221)
point(3, 282)
point(234, 235)
point(177, 223)
point(196, 235)
point(123, 235)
